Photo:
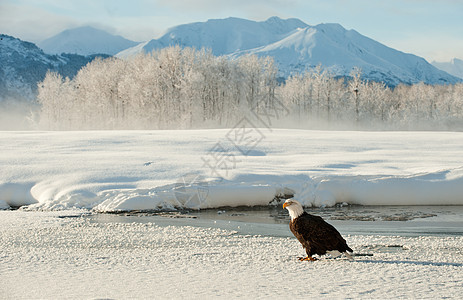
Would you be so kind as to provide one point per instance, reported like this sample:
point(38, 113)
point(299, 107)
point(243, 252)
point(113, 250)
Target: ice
point(73, 255)
point(159, 170)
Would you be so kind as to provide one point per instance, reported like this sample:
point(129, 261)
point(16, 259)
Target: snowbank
point(434, 188)
point(144, 170)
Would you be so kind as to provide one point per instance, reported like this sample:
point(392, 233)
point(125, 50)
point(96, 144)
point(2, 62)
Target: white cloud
point(31, 24)
point(35, 24)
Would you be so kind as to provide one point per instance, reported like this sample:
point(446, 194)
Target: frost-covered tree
point(49, 97)
point(356, 87)
point(187, 88)
point(168, 88)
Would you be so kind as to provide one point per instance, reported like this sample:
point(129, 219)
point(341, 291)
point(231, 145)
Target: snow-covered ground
point(73, 255)
point(227, 253)
point(149, 170)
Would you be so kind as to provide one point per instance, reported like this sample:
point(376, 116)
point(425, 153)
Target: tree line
point(175, 88)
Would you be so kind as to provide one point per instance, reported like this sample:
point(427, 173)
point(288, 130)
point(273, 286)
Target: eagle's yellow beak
point(286, 204)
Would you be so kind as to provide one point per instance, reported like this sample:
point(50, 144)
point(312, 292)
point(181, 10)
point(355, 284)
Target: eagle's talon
point(307, 258)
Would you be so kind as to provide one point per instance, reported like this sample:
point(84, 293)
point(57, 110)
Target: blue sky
point(428, 28)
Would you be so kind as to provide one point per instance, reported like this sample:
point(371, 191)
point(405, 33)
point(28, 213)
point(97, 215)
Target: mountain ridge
point(24, 65)
point(338, 50)
point(295, 46)
point(222, 36)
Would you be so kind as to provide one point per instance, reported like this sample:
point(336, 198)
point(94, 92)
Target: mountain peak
point(297, 47)
point(331, 26)
point(83, 30)
point(453, 67)
point(339, 51)
point(85, 40)
point(24, 65)
point(222, 36)
point(10, 44)
point(273, 19)
point(292, 21)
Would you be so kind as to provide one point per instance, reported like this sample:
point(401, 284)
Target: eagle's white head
point(294, 208)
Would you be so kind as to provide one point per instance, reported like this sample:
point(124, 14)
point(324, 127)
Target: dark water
point(273, 221)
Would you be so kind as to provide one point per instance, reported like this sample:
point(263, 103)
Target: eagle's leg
point(308, 258)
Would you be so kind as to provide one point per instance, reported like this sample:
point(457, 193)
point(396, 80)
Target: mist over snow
point(197, 169)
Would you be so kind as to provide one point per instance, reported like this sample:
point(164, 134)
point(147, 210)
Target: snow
point(339, 51)
point(222, 36)
point(297, 47)
point(24, 49)
point(50, 255)
point(198, 169)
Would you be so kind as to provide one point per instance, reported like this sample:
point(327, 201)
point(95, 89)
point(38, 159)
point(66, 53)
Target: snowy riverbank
point(149, 170)
point(68, 255)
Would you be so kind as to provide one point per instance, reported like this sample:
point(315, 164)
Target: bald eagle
point(316, 235)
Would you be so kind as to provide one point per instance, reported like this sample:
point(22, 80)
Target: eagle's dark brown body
point(316, 235)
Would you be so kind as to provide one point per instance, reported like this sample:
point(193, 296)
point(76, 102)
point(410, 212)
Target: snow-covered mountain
point(23, 65)
point(297, 47)
point(222, 36)
point(340, 50)
point(85, 41)
point(454, 67)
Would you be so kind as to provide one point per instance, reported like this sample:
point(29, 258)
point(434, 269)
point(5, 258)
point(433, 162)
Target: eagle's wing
point(320, 234)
